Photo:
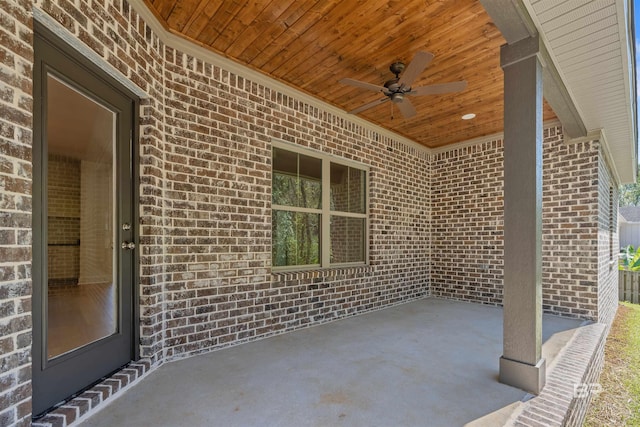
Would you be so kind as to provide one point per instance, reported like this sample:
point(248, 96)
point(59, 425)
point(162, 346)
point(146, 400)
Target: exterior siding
point(629, 234)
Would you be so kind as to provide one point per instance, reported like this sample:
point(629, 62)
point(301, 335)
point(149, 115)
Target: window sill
point(321, 273)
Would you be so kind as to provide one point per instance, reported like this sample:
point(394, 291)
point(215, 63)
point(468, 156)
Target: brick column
point(521, 364)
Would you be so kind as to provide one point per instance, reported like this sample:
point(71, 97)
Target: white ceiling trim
point(499, 136)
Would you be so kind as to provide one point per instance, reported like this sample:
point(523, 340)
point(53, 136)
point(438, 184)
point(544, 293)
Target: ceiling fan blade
point(363, 85)
point(367, 106)
point(406, 108)
point(417, 66)
point(439, 88)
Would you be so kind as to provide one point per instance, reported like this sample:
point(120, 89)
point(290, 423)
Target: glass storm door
point(83, 234)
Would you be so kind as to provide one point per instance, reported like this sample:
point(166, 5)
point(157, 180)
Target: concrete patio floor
point(430, 362)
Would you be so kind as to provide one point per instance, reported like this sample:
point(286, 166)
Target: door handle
point(128, 245)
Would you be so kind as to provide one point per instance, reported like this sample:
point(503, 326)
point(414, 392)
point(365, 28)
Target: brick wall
point(218, 199)
point(16, 57)
point(63, 233)
point(467, 231)
point(205, 233)
point(96, 222)
point(569, 229)
point(467, 223)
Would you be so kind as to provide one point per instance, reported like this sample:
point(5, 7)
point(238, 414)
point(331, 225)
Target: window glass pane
point(297, 180)
point(347, 239)
point(285, 162)
point(347, 189)
point(284, 189)
point(296, 238)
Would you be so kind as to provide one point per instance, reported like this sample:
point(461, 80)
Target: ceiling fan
point(399, 88)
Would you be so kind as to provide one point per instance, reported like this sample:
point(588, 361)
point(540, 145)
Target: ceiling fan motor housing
point(396, 68)
point(392, 85)
point(395, 91)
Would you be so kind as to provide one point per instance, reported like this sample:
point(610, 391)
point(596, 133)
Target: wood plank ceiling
point(311, 44)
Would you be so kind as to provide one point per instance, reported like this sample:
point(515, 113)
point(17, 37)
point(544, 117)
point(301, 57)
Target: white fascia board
point(627, 47)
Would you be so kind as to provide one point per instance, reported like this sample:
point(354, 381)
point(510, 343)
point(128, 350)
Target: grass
point(619, 402)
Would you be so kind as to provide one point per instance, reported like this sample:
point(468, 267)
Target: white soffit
point(591, 45)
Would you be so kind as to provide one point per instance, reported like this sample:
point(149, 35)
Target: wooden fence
point(629, 286)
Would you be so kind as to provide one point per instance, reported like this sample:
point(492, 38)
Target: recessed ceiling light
point(468, 116)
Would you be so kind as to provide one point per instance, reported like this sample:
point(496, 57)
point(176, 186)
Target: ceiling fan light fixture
point(397, 97)
point(468, 116)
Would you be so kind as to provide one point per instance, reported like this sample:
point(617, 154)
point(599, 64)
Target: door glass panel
point(81, 233)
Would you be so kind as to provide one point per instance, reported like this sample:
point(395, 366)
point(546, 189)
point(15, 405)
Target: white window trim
point(325, 212)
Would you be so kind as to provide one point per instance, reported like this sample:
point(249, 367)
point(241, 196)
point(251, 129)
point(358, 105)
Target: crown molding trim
point(484, 139)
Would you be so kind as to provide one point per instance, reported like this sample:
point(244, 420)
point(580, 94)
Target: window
point(319, 210)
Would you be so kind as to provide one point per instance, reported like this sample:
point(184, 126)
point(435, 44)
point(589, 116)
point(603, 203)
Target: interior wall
point(96, 223)
point(63, 199)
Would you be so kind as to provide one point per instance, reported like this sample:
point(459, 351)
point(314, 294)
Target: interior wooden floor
point(79, 315)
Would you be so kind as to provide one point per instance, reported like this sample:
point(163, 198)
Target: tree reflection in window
point(297, 183)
